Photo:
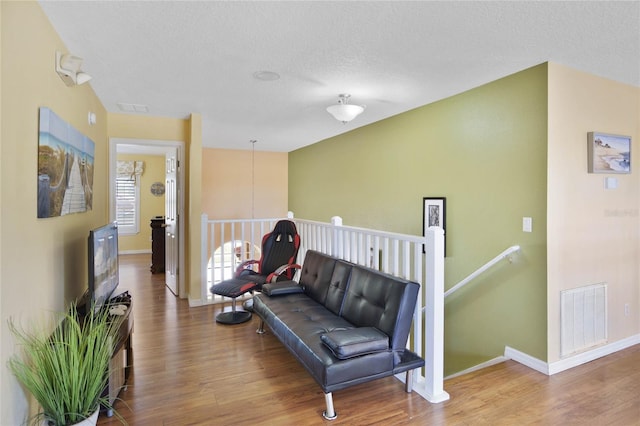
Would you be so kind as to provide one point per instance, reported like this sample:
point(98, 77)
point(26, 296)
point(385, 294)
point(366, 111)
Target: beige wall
point(44, 261)
point(485, 150)
point(592, 231)
point(150, 205)
point(231, 191)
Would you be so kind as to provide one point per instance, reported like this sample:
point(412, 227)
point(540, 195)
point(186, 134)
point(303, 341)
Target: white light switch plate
point(527, 224)
point(610, 183)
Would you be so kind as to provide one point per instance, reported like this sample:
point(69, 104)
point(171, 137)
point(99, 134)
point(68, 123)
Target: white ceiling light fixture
point(344, 111)
point(68, 68)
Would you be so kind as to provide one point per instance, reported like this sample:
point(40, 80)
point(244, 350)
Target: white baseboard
point(573, 361)
point(596, 353)
point(200, 302)
point(195, 303)
point(486, 364)
point(135, 252)
point(526, 360)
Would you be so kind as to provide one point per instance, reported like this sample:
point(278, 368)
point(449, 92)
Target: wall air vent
point(583, 318)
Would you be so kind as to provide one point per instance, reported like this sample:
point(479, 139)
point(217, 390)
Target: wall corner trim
point(526, 360)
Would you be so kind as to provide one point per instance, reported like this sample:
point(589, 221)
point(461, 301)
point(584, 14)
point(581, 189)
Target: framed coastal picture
point(65, 167)
point(609, 153)
point(434, 214)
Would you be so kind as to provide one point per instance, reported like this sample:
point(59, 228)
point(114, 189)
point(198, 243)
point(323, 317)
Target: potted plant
point(67, 371)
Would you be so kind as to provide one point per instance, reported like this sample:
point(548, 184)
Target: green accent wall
point(485, 150)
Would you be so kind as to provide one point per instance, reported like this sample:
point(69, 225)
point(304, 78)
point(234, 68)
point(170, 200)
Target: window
point(128, 205)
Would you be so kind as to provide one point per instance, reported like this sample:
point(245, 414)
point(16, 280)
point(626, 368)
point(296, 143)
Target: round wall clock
point(157, 188)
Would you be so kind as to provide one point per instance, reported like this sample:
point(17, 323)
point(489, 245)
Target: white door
point(171, 221)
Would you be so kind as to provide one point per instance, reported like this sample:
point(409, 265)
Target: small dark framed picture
point(609, 153)
point(434, 214)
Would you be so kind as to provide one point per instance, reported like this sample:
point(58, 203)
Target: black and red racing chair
point(277, 263)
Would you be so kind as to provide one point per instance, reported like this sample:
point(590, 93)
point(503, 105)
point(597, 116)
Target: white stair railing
point(415, 258)
point(505, 254)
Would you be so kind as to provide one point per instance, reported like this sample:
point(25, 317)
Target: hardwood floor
point(188, 370)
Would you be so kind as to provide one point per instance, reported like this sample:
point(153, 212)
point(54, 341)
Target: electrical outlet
point(626, 309)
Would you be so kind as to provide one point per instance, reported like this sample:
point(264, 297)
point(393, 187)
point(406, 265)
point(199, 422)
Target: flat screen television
point(103, 264)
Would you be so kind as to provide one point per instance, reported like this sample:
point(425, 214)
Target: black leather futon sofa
point(345, 323)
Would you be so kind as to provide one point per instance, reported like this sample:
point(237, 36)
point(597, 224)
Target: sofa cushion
point(354, 342)
point(376, 299)
point(315, 275)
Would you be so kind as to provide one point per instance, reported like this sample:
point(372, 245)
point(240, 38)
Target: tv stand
point(121, 361)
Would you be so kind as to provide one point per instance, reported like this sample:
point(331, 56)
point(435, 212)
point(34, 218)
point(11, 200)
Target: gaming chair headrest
point(285, 227)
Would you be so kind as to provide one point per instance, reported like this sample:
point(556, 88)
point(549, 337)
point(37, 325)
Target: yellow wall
point(170, 129)
point(485, 151)
point(228, 184)
point(145, 127)
point(194, 205)
point(150, 205)
point(592, 231)
point(44, 261)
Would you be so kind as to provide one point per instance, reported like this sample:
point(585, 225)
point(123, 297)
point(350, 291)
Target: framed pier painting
point(65, 167)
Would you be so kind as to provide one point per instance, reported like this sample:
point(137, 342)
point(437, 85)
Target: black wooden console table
point(157, 244)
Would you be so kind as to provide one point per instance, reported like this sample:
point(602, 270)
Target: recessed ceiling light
point(266, 75)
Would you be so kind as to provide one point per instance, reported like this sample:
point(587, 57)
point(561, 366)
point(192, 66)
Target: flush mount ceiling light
point(68, 68)
point(344, 111)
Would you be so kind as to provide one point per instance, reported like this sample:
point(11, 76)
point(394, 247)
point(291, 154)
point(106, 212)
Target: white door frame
point(153, 147)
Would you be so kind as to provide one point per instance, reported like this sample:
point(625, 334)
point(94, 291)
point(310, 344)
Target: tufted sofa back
point(375, 299)
point(315, 275)
point(363, 296)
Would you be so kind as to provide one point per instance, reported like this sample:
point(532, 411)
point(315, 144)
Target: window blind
point(127, 202)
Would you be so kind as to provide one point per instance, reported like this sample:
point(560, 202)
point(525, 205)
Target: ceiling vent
point(132, 107)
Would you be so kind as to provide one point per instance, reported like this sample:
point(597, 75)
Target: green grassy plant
point(66, 371)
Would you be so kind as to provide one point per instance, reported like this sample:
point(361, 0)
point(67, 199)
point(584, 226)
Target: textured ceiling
point(181, 57)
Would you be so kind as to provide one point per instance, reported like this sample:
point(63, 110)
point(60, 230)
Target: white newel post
point(204, 225)
point(434, 316)
point(336, 221)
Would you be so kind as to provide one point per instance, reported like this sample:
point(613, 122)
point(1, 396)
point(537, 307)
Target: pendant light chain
point(253, 177)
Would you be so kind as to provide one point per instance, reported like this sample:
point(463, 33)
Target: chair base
point(233, 317)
